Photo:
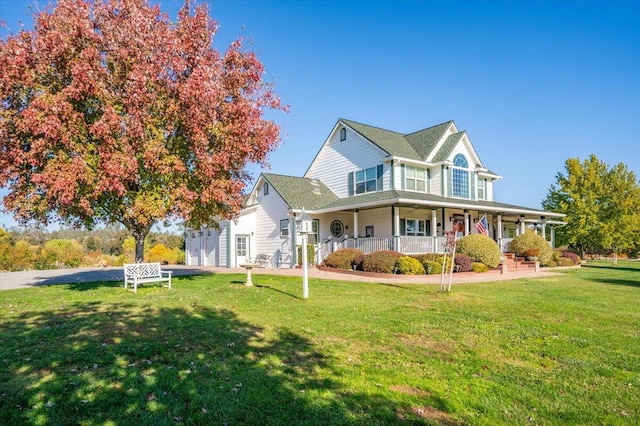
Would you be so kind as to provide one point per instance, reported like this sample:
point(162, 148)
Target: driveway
point(25, 279)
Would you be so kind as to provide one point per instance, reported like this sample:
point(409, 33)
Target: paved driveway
point(24, 279)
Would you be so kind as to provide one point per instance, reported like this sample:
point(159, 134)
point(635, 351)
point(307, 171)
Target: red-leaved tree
point(110, 112)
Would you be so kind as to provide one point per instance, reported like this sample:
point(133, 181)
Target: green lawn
point(563, 350)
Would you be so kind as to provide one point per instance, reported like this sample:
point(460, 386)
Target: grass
point(560, 350)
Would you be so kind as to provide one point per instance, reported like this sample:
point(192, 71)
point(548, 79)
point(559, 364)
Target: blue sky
point(533, 83)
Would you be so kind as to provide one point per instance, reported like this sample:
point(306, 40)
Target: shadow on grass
point(126, 363)
point(628, 283)
point(614, 267)
point(88, 279)
point(278, 291)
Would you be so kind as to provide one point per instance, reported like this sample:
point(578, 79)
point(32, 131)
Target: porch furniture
point(262, 260)
point(142, 273)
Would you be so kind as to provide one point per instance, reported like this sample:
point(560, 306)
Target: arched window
point(343, 134)
point(460, 176)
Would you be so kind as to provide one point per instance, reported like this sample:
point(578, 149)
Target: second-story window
point(460, 177)
point(266, 189)
point(415, 179)
point(343, 134)
point(482, 189)
point(367, 180)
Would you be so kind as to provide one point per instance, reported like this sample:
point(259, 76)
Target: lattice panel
point(143, 269)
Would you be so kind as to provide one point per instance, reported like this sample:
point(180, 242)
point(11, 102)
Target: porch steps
point(512, 263)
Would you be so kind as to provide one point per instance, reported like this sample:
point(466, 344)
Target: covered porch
point(411, 227)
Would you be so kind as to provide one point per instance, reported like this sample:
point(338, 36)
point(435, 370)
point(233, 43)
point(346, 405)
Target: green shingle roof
point(391, 195)
point(425, 141)
point(415, 146)
point(393, 143)
point(447, 147)
point(299, 193)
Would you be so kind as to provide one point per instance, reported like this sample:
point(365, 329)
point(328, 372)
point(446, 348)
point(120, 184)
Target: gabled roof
point(416, 146)
point(448, 146)
point(425, 141)
point(393, 143)
point(299, 193)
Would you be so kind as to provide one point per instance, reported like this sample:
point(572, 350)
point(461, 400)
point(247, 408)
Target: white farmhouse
point(373, 189)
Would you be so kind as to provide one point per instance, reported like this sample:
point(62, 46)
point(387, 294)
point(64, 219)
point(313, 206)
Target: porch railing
point(403, 244)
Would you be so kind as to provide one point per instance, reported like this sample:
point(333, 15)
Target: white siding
point(436, 181)
point(268, 214)
point(380, 219)
point(337, 158)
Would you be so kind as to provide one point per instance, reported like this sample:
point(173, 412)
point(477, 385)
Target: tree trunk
point(139, 248)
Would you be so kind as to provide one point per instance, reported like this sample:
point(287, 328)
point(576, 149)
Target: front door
point(242, 249)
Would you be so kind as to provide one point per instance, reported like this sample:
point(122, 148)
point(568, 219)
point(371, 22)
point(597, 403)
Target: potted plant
point(532, 254)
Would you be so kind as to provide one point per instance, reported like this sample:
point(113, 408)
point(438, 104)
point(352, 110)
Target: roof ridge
point(369, 125)
point(429, 128)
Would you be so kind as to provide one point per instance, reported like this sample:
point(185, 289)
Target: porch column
point(434, 230)
point(522, 224)
point(203, 244)
point(355, 227)
point(553, 237)
point(466, 222)
point(543, 221)
point(499, 230)
point(396, 227)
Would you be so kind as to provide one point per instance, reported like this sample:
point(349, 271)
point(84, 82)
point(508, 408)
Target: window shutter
point(402, 174)
point(449, 182)
point(403, 227)
point(350, 184)
point(380, 170)
point(428, 185)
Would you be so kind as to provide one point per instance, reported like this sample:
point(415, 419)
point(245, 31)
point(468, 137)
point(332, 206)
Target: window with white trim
point(460, 176)
point(481, 189)
point(284, 228)
point(413, 227)
point(343, 134)
point(366, 180)
point(415, 179)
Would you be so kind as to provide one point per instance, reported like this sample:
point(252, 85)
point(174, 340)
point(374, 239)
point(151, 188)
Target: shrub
point(432, 267)
point(574, 257)
point(551, 264)
point(311, 254)
point(435, 259)
point(463, 263)
point(480, 248)
point(409, 266)
point(531, 240)
point(381, 261)
point(356, 264)
point(343, 258)
point(63, 253)
point(479, 267)
point(565, 261)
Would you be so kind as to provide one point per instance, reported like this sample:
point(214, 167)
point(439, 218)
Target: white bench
point(140, 273)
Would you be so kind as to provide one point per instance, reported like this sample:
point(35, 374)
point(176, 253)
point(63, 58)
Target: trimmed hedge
point(381, 261)
point(480, 248)
point(432, 267)
point(343, 258)
point(574, 257)
point(531, 240)
point(409, 266)
point(479, 267)
point(463, 263)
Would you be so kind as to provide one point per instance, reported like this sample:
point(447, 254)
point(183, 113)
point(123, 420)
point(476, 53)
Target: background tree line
point(35, 248)
point(602, 205)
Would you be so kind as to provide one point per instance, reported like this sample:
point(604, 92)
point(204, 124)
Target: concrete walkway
point(25, 279)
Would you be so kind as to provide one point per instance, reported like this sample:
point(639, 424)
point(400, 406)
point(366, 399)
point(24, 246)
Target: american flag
point(483, 226)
